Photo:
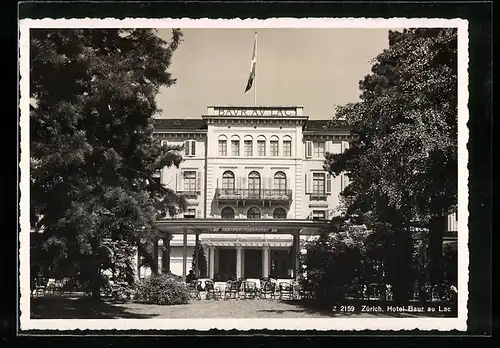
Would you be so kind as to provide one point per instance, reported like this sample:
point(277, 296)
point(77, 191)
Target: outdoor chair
point(373, 292)
point(40, 286)
point(210, 290)
point(250, 289)
point(268, 289)
point(232, 289)
point(285, 291)
point(194, 291)
point(440, 292)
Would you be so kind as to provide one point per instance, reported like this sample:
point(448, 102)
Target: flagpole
point(255, 76)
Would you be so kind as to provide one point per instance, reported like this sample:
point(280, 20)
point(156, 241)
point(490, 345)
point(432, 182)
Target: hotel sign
point(256, 111)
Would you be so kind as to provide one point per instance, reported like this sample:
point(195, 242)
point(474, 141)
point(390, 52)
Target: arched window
point(279, 213)
point(254, 184)
point(228, 180)
point(222, 145)
point(261, 145)
point(253, 213)
point(248, 145)
point(280, 182)
point(274, 146)
point(227, 213)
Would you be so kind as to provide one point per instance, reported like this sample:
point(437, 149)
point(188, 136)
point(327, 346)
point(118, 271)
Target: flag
point(252, 67)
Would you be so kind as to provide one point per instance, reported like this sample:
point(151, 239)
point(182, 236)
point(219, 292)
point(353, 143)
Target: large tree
point(402, 164)
point(93, 156)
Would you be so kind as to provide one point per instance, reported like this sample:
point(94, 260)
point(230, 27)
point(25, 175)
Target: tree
point(199, 253)
point(402, 164)
point(337, 262)
point(93, 156)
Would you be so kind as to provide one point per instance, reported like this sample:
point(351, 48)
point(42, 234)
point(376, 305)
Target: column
point(212, 262)
point(165, 258)
point(184, 255)
point(155, 256)
point(137, 264)
point(265, 262)
point(238, 262)
point(197, 251)
point(296, 241)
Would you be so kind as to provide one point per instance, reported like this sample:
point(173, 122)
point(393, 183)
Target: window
point(235, 147)
point(189, 181)
point(253, 213)
point(318, 185)
point(319, 149)
point(190, 214)
point(279, 213)
point(190, 147)
point(280, 181)
point(157, 177)
point(228, 180)
point(222, 147)
point(287, 148)
point(254, 184)
point(318, 215)
point(261, 146)
point(227, 213)
point(309, 149)
point(248, 148)
point(274, 148)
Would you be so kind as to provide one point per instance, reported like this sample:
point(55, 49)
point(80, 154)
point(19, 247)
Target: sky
point(316, 68)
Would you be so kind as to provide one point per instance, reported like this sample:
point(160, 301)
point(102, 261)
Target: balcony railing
point(253, 194)
point(189, 194)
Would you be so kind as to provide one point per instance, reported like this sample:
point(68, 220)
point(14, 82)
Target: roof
point(179, 123)
point(198, 124)
point(320, 125)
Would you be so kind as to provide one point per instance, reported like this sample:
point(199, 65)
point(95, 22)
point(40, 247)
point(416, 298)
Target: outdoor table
point(220, 286)
point(255, 280)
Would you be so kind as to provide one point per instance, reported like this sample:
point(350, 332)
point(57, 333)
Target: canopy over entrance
point(242, 226)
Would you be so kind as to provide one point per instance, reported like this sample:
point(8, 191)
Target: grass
point(86, 308)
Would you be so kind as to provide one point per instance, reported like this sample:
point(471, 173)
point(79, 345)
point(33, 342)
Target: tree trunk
point(437, 227)
point(165, 258)
point(402, 265)
point(148, 258)
point(96, 271)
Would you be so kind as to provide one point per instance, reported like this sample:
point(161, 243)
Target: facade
point(248, 167)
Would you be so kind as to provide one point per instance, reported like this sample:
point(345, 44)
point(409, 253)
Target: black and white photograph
point(243, 174)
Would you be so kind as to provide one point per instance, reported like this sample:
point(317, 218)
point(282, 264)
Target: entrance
point(227, 265)
point(253, 263)
point(280, 264)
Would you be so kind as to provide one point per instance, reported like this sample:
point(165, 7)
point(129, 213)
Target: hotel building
point(255, 187)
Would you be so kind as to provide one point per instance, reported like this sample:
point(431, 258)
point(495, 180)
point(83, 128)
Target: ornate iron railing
point(253, 194)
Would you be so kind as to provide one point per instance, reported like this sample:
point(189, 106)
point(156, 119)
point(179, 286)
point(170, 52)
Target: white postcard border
point(424, 323)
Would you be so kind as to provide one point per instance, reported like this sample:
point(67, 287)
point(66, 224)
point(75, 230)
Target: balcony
point(190, 196)
point(253, 195)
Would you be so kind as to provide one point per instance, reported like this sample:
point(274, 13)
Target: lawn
point(85, 308)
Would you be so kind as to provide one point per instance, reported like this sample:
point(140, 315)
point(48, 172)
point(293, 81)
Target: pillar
point(212, 262)
point(265, 262)
point(155, 255)
point(184, 255)
point(137, 263)
point(238, 262)
point(296, 243)
point(165, 258)
point(197, 251)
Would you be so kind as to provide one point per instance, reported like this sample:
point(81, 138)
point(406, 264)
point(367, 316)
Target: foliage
point(118, 256)
point(93, 156)
point(338, 261)
point(402, 163)
point(202, 262)
point(162, 290)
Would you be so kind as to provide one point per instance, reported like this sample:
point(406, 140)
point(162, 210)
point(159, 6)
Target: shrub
point(162, 290)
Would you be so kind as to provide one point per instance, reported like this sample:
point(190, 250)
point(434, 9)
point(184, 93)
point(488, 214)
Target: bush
point(162, 290)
